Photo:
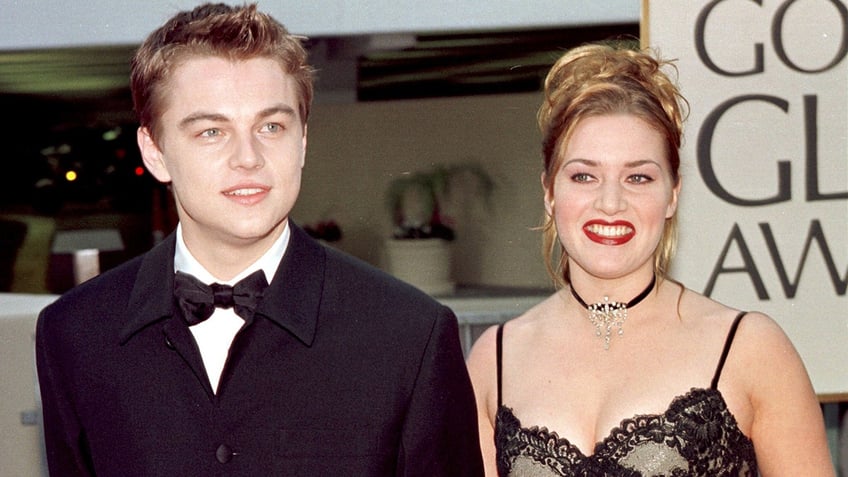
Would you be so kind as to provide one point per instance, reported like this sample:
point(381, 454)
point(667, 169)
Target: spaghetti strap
point(726, 350)
point(499, 348)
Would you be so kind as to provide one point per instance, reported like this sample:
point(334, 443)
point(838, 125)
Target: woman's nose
point(610, 198)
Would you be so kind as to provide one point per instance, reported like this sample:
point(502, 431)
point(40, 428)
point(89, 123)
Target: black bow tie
point(198, 300)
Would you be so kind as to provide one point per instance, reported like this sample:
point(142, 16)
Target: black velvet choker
point(607, 314)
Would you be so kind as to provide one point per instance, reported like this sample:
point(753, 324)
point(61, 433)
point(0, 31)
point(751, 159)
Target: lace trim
point(697, 430)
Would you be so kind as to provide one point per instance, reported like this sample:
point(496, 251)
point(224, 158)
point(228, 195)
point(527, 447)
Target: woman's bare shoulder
point(760, 348)
point(485, 346)
point(755, 328)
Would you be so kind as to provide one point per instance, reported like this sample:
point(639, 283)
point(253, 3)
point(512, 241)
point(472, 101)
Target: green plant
point(415, 199)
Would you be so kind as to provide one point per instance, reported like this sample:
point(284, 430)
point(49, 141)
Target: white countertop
point(14, 304)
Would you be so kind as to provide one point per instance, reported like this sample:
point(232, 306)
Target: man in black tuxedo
point(332, 369)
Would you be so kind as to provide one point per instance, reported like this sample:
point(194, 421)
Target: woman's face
point(611, 195)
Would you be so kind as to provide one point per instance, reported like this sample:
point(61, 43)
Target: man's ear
point(303, 151)
point(151, 155)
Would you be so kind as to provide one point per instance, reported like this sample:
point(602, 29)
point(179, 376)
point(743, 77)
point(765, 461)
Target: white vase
point(423, 263)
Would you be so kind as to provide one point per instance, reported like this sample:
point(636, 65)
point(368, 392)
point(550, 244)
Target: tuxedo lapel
point(291, 301)
point(152, 296)
point(179, 339)
point(293, 298)
point(152, 301)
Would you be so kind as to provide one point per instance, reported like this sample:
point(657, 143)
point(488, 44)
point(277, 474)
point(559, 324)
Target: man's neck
point(224, 262)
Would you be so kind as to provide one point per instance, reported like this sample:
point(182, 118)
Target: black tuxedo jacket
point(344, 371)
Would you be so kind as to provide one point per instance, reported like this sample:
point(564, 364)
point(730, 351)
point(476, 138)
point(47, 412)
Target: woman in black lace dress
point(624, 371)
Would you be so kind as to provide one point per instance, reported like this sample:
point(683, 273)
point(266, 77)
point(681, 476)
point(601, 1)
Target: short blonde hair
point(235, 33)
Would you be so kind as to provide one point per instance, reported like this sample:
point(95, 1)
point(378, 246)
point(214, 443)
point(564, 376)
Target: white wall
point(354, 151)
point(51, 23)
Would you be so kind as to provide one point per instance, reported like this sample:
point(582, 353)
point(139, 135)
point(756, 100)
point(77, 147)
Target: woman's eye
point(640, 178)
point(581, 177)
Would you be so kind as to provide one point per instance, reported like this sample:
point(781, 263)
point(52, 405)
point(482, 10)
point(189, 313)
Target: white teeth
point(245, 192)
point(609, 230)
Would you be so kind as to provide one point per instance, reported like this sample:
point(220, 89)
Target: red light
point(139, 171)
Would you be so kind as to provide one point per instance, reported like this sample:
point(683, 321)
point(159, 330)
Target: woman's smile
point(609, 233)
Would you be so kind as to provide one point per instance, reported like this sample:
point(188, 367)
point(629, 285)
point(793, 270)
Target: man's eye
point(211, 133)
point(273, 127)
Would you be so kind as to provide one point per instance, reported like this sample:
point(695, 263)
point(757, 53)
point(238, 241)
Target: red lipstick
point(618, 232)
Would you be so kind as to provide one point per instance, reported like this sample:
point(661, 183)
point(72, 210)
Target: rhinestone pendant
point(607, 315)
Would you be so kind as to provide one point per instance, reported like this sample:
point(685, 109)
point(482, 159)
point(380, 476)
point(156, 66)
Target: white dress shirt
point(215, 335)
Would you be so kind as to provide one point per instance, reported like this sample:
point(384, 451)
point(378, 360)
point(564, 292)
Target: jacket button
point(168, 343)
point(224, 454)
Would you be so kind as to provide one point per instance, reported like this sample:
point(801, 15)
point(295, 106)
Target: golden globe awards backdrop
point(764, 208)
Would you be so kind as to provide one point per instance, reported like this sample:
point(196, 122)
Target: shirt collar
point(293, 300)
point(185, 262)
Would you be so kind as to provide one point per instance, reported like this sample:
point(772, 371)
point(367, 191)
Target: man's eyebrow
point(202, 116)
point(221, 118)
point(277, 109)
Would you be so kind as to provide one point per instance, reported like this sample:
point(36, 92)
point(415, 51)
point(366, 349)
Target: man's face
point(232, 145)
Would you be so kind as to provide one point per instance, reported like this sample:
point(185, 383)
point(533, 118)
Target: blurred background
point(401, 87)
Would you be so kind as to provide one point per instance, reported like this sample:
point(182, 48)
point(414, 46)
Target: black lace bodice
point(696, 436)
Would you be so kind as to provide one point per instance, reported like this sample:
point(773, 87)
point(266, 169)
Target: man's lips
point(609, 233)
point(246, 194)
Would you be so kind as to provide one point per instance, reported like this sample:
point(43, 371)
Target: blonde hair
point(595, 80)
point(235, 33)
